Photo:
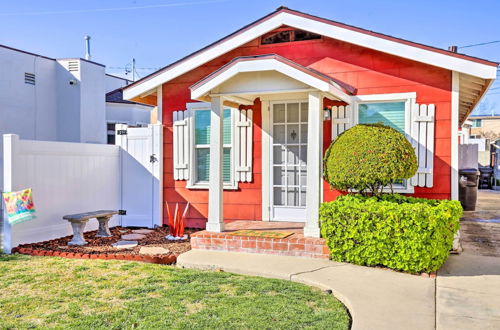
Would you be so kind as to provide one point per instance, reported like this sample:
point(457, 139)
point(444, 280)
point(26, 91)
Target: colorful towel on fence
point(19, 206)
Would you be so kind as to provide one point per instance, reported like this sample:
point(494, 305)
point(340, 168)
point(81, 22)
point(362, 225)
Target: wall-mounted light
point(327, 114)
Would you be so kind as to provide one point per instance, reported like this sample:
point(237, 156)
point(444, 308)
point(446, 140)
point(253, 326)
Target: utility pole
point(133, 69)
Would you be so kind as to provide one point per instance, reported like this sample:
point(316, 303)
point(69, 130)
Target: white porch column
point(314, 164)
point(215, 199)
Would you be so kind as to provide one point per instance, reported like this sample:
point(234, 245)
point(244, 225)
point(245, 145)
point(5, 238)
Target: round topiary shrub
point(369, 157)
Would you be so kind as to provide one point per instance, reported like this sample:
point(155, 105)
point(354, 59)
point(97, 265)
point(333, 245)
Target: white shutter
point(341, 120)
point(181, 145)
point(422, 138)
point(243, 146)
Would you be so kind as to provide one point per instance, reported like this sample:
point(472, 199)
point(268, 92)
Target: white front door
point(288, 160)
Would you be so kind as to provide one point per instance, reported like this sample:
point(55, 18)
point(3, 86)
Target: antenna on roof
point(453, 49)
point(87, 47)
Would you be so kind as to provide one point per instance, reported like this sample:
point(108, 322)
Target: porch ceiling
point(245, 78)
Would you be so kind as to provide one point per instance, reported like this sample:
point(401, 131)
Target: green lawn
point(46, 292)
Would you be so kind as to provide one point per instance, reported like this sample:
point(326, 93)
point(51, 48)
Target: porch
point(291, 106)
point(294, 245)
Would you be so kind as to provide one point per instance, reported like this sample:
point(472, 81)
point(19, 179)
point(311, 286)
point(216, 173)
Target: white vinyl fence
point(66, 178)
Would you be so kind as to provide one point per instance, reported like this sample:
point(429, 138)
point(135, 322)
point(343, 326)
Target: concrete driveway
point(468, 285)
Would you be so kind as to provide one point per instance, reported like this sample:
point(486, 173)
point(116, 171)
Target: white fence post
point(10, 160)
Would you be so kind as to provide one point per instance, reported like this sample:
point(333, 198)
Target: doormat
point(260, 233)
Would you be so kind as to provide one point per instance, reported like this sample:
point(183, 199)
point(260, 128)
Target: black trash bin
point(468, 183)
point(486, 178)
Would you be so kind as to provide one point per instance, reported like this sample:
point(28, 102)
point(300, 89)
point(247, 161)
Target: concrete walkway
point(468, 293)
point(376, 298)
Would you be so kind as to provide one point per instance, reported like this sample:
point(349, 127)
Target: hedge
point(403, 233)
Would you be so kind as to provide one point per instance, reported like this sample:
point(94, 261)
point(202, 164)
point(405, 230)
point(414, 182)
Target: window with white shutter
point(192, 146)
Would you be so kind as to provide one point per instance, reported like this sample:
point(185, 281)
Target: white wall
point(66, 178)
point(68, 102)
point(27, 110)
point(92, 103)
point(113, 82)
point(130, 114)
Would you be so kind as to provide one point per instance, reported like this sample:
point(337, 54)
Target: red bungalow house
point(247, 118)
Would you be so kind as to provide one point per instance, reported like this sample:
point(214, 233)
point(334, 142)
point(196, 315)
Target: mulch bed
point(101, 248)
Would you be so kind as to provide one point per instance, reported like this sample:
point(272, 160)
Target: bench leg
point(103, 230)
point(78, 229)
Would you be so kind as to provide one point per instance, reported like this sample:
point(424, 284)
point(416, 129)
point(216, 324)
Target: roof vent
point(73, 66)
point(29, 78)
point(453, 49)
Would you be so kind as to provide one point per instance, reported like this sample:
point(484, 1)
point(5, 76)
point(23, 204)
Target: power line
point(480, 44)
point(96, 10)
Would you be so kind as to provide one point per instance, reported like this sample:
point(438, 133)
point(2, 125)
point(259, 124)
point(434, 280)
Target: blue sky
point(157, 32)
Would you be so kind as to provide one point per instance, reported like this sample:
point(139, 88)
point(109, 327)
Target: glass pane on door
point(289, 160)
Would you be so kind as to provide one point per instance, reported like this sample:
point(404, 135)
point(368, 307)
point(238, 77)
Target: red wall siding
point(370, 71)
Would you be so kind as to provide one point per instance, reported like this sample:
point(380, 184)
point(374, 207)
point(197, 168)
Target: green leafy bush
point(368, 158)
point(404, 233)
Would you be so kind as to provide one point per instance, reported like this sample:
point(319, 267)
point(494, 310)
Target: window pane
point(202, 164)
point(202, 136)
point(202, 127)
point(227, 165)
point(279, 175)
point(293, 197)
point(279, 113)
point(303, 112)
point(279, 196)
point(389, 113)
point(278, 155)
point(292, 112)
point(227, 127)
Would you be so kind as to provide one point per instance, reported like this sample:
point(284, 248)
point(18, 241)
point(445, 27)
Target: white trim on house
point(269, 65)
point(321, 27)
point(266, 159)
point(455, 108)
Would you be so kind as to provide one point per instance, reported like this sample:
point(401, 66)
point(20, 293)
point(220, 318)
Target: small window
point(202, 145)
point(29, 78)
point(288, 36)
point(305, 35)
point(477, 123)
point(388, 113)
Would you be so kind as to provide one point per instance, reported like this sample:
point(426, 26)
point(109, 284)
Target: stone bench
point(78, 222)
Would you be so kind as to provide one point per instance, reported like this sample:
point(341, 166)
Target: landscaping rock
point(142, 231)
point(125, 244)
point(133, 237)
point(153, 250)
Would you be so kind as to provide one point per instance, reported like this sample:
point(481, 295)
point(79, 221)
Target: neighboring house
point(484, 129)
point(48, 99)
point(247, 118)
point(120, 111)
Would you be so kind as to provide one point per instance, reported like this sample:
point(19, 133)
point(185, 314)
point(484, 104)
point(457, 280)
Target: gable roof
point(283, 16)
point(278, 63)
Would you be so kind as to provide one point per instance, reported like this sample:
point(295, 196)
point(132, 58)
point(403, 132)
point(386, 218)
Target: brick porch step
point(294, 245)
